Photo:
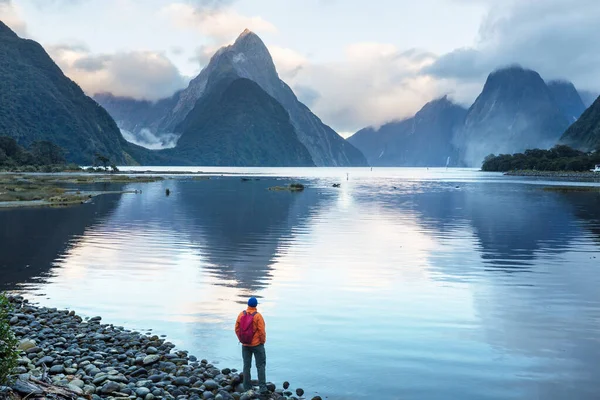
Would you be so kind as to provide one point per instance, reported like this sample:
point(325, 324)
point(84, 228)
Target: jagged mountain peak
point(247, 34)
point(438, 106)
point(5, 30)
point(247, 46)
point(512, 77)
point(439, 102)
point(564, 82)
point(567, 98)
point(515, 111)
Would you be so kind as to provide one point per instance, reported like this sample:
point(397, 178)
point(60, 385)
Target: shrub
point(8, 342)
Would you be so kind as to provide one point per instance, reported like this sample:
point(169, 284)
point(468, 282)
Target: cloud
point(11, 16)
point(288, 61)
point(211, 4)
point(56, 4)
point(219, 25)
point(306, 95)
point(553, 37)
point(149, 140)
point(374, 83)
point(202, 54)
point(139, 74)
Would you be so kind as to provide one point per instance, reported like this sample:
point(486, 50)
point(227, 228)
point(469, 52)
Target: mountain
point(38, 102)
point(249, 58)
point(424, 140)
point(236, 123)
point(514, 112)
point(137, 119)
point(588, 97)
point(567, 98)
point(584, 134)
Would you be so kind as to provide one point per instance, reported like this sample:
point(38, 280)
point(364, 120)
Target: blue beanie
point(252, 302)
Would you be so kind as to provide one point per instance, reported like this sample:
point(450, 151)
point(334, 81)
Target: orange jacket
point(260, 334)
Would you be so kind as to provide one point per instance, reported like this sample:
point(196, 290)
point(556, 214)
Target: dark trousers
point(260, 358)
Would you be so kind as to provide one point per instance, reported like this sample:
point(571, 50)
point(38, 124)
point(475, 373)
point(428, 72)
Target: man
point(250, 330)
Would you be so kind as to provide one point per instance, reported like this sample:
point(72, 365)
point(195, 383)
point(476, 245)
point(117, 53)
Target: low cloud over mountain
point(365, 80)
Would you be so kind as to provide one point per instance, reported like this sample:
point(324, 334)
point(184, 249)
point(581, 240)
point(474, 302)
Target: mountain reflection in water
point(483, 284)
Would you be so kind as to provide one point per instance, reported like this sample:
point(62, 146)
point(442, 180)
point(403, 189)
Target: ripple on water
point(401, 283)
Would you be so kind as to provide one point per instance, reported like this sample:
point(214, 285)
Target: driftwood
point(34, 389)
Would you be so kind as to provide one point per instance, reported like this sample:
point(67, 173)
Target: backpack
point(246, 328)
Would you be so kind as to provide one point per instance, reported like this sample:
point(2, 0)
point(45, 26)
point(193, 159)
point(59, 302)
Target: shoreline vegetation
point(34, 190)
point(63, 356)
point(557, 160)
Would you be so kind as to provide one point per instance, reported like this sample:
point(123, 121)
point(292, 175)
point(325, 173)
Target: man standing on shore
point(250, 330)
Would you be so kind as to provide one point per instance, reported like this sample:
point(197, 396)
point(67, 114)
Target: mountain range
point(424, 140)
point(584, 134)
point(516, 110)
point(246, 58)
point(38, 102)
point(238, 112)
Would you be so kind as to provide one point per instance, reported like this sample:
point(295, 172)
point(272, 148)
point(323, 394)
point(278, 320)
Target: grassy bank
point(23, 190)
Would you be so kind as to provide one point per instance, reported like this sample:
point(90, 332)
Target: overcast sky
point(355, 63)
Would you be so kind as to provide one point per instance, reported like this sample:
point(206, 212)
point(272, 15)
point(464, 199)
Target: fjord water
point(401, 284)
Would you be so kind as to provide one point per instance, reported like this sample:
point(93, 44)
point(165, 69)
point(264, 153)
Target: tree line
point(42, 156)
point(558, 158)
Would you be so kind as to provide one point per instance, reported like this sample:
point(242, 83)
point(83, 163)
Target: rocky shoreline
point(63, 356)
point(573, 176)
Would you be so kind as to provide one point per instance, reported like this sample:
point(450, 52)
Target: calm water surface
point(401, 284)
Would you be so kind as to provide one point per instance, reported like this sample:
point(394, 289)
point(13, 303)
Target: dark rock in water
point(286, 385)
point(300, 392)
point(317, 398)
point(167, 192)
point(337, 185)
point(271, 387)
point(226, 371)
point(245, 179)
